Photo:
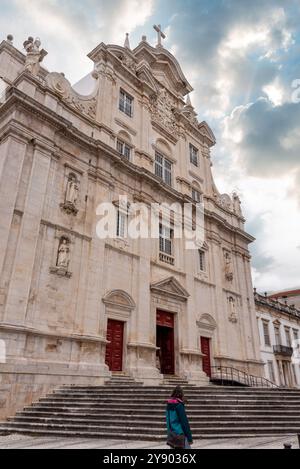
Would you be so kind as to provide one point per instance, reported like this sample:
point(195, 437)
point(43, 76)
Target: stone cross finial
point(160, 35)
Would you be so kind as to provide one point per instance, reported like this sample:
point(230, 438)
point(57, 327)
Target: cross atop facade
point(160, 35)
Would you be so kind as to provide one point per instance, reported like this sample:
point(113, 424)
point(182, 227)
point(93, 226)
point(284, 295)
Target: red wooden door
point(114, 350)
point(165, 342)
point(205, 349)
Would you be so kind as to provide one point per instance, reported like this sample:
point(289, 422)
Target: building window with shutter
point(126, 103)
point(267, 334)
point(163, 168)
point(194, 155)
point(124, 149)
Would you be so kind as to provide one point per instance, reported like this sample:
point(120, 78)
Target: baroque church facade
point(75, 308)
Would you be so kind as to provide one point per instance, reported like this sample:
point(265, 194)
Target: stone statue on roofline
point(34, 55)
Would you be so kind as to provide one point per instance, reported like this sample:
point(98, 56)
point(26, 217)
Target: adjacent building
point(291, 297)
point(279, 332)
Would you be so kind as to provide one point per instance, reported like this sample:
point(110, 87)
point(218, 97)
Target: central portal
point(165, 342)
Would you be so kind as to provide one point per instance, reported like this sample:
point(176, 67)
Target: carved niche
point(70, 204)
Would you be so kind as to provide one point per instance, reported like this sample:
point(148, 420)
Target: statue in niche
point(71, 196)
point(232, 310)
point(72, 191)
point(63, 256)
point(228, 266)
point(34, 56)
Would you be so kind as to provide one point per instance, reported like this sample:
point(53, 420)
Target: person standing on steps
point(179, 432)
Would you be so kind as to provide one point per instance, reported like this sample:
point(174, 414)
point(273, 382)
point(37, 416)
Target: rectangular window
point(194, 155)
point(267, 334)
point(277, 335)
point(202, 260)
point(166, 236)
point(295, 334)
point(163, 168)
point(124, 149)
point(288, 337)
point(121, 224)
point(196, 196)
point(126, 103)
point(271, 372)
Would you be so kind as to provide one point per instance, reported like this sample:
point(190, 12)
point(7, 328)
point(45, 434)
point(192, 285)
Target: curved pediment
point(119, 298)
point(164, 67)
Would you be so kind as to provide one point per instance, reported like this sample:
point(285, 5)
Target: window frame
point(202, 260)
point(267, 337)
point(194, 155)
point(122, 224)
point(124, 145)
point(165, 167)
point(164, 239)
point(126, 103)
point(197, 200)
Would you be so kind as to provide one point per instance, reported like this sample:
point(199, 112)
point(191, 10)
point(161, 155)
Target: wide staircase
point(124, 409)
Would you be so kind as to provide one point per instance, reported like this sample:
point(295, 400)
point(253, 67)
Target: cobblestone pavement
point(25, 442)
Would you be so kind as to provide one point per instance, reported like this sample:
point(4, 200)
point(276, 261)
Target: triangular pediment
point(170, 287)
point(145, 76)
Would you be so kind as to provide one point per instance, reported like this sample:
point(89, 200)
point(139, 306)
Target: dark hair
point(178, 393)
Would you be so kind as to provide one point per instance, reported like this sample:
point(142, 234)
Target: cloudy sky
point(242, 58)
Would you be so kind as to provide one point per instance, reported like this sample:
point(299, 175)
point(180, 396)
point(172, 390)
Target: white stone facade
point(279, 332)
point(59, 283)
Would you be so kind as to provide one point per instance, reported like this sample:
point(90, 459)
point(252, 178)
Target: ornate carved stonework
point(128, 62)
point(162, 108)
point(58, 83)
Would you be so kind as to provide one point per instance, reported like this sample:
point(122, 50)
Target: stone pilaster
point(19, 288)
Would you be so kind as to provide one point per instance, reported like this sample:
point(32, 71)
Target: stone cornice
point(57, 335)
point(56, 226)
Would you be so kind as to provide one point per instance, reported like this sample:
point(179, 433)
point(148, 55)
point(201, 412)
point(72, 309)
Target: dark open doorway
point(165, 342)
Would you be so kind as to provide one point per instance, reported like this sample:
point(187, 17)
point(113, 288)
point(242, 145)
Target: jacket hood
point(173, 403)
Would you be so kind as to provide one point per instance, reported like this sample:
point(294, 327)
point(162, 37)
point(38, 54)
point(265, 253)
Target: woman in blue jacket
point(179, 432)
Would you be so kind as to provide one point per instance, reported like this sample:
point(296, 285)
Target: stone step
point(164, 395)
point(159, 421)
point(130, 405)
point(124, 436)
point(158, 400)
point(211, 414)
point(166, 390)
point(199, 432)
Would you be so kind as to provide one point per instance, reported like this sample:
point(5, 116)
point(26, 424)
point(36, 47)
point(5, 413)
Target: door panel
point(206, 360)
point(114, 350)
